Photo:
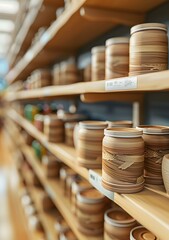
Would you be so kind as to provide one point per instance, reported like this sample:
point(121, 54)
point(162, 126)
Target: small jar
point(141, 233)
point(89, 144)
point(56, 74)
point(90, 212)
point(117, 57)
point(64, 174)
point(67, 235)
point(117, 224)
point(156, 140)
point(87, 73)
point(42, 78)
point(123, 160)
point(148, 48)
point(122, 124)
point(38, 122)
point(69, 129)
point(69, 73)
point(51, 166)
point(98, 63)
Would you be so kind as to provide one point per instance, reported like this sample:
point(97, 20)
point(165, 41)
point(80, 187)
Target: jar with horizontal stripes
point(141, 233)
point(90, 213)
point(117, 57)
point(98, 63)
point(123, 160)
point(51, 166)
point(148, 48)
point(117, 224)
point(89, 144)
point(156, 140)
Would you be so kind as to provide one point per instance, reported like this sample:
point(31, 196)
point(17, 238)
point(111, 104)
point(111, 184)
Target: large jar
point(156, 140)
point(148, 48)
point(123, 160)
point(117, 224)
point(117, 57)
point(98, 63)
point(89, 144)
point(90, 213)
point(141, 233)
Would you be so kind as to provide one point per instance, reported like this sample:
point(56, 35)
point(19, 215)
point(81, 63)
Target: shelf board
point(71, 31)
point(157, 81)
point(147, 207)
point(39, 16)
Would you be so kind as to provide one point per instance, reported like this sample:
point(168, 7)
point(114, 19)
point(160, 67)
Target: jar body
point(148, 49)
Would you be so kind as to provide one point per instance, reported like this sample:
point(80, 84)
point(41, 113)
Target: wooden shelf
point(147, 207)
point(40, 15)
point(72, 31)
point(94, 91)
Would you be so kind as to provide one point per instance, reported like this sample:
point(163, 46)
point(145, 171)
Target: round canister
point(89, 144)
point(68, 73)
point(148, 48)
point(117, 224)
point(90, 212)
point(117, 57)
point(156, 140)
point(123, 160)
point(98, 63)
point(141, 233)
point(123, 124)
point(38, 122)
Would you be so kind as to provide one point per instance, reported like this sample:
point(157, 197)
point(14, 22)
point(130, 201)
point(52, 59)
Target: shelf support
point(114, 16)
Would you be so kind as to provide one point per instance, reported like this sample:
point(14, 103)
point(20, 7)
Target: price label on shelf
point(121, 84)
point(95, 180)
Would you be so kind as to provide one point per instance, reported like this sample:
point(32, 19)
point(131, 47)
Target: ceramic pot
point(141, 233)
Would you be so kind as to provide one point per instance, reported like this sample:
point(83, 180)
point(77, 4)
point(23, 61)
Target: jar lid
point(117, 40)
point(154, 129)
point(123, 123)
point(148, 26)
point(90, 196)
point(123, 132)
point(98, 49)
point(93, 124)
point(141, 233)
point(118, 217)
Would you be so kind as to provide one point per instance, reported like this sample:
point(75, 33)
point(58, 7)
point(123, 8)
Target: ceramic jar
point(117, 57)
point(38, 122)
point(98, 63)
point(141, 233)
point(69, 129)
point(165, 171)
point(156, 140)
point(117, 224)
point(148, 48)
point(90, 212)
point(123, 124)
point(53, 129)
point(51, 166)
point(89, 143)
point(66, 173)
point(123, 160)
point(68, 73)
point(41, 78)
point(67, 235)
point(78, 186)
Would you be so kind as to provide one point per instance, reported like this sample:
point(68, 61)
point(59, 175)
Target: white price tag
point(121, 84)
point(95, 180)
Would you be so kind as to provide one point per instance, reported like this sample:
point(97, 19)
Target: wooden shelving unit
point(148, 207)
point(57, 43)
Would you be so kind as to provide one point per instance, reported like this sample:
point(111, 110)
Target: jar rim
point(116, 40)
point(93, 124)
point(83, 199)
point(123, 132)
point(143, 229)
point(98, 49)
point(148, 26)
point(154, 129)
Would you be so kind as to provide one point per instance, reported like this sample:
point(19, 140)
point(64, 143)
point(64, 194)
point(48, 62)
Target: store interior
point(84, 120)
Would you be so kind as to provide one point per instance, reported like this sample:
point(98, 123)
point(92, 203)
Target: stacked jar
point(156, 140)
point(117, 224)
point(51, 165)
point(117, 57)
point(90, 213)
point(123, 160)
point(89, 143)
point(98, 63)
point(53, 129)
point(41, 78)
point(148, 48)
point(68, 73)
point(141, 233)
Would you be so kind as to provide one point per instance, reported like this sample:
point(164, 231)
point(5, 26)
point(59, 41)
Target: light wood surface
point(147, 207)
point(71, 31)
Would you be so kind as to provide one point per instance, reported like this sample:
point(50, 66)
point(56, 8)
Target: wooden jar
point(123, 160)
point(69, 130)
point(51, 166)
point(123, 124)
point(42, 78)
point(56, 74)
point(89, 144)
point(66, 173)
point(98, 63)
point(67, 235)
point(117, 224)
point(148, 48)
point(39, 122)
point(156, 140)
point(53, 129)
point(165, 172)
point(69, 73)
point(78, 186)
point(87, 73)
point(90, 212)
point(117, 57)
point(141, 233)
